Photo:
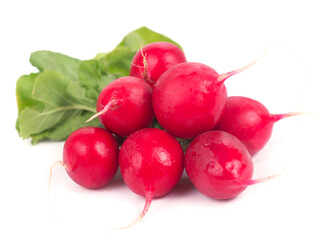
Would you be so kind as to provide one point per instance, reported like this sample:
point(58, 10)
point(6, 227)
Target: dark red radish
point(151, 163)
point(125, 106)
point(218, 165)
point(249, 121)
point(154, 59)
point(90, 157)
point(189, 98)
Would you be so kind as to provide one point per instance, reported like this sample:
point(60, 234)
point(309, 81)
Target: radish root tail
point(148, 200)
point(245, 182)
point(49, 183)
point(277, 117)
point(224, 76)
point(51, 172)
point(112, 104)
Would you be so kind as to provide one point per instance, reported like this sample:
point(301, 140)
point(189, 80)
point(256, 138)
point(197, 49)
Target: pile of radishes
point(189, 101)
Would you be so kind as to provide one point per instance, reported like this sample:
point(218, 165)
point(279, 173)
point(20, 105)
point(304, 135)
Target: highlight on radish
point(152, 60)
point(249, 121)
point(151, 163)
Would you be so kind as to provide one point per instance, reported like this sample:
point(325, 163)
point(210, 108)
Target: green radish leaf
point(61, 102)
point(142, 36)
point(47, 60)
point(24, 88)
point(74, 121)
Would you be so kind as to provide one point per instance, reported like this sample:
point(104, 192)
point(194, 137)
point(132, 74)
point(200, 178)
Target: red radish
point(189, 98)
point(91, 157)
point(249, 121)
point(154, 59)
point(218, 165)
point(151, 163)
point(125, 106)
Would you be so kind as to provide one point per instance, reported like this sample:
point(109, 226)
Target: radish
point(154, 59)
point(125, 106)
point(189, 98)
point(90, 157)
point(151, 163)
point(218, 165)
point(249, 121)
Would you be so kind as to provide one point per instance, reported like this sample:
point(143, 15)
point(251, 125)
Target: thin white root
point(224, 76)
point(49, 184)
point(113, 104)
point(148, 200)
point(105, 109)
point(51, 171)
point(259, 180)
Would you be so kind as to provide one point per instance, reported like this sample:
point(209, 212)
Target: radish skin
point(90, 157)
point(152, 60)
point(218, 165)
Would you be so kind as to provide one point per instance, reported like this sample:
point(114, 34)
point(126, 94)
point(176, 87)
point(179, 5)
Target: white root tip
point(113, 104)
point(95, 116)
point(224, 76)
point(259, 180)
point(49, 184)
point(148, 200)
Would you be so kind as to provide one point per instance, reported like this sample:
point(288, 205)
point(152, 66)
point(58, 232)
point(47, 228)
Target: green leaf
point(32, 122)
point(24, 88)
point(47, 60)
point(118, 61)
point(142, 36)
point(105, 80)
point(60, 101)
point(75, 120)
point(93, 77)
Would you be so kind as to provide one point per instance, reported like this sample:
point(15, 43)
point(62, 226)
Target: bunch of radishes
point(189, 101)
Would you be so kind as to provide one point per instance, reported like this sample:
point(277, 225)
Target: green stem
point(72, 107)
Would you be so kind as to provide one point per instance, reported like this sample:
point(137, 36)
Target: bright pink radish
point(91, 157)
point(125, 106)
point(189, 98)
point(154, 59)
point(218, 165)
point(249, 121)
point(151, 163)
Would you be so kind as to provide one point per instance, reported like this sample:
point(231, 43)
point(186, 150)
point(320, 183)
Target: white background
point(222, 34)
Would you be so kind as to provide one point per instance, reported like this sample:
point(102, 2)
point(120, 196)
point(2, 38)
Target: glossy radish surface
point(249, 121)
point(188, 99)
point(218, 165)
point(125, 106)
point(151, 163)
point(152, 60)
point(90, 157)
